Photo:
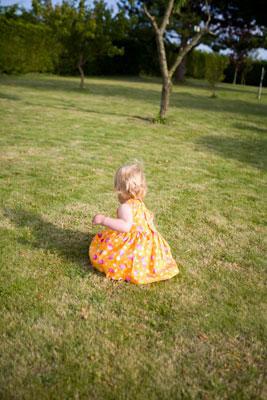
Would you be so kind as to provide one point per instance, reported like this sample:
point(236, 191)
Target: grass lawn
point(69, 333)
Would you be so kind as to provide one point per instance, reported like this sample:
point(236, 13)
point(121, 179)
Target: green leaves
point(214, 68)
point(26, 47)
point(178, 5)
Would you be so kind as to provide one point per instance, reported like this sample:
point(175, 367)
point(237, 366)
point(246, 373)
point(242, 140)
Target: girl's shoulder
point(138, 207)
point(135, 203)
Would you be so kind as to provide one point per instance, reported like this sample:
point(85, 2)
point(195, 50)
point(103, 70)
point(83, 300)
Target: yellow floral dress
point(139, 256)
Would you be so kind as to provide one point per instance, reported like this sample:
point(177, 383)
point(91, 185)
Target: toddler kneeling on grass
point(131, 248)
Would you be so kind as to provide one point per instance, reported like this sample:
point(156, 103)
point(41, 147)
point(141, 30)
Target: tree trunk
point(179, 74)
point(167, 73)
point(235, 75)
point(243, 78)
point(213, 94)
point(80, 68)
point(181, 70)
point(165, 97)
point(166, 82)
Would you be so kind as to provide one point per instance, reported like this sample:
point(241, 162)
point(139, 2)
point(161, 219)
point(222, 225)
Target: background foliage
point(27, 47)
point(57, 38)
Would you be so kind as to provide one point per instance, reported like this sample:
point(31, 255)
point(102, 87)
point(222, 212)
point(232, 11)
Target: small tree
point(246, 68)
point(214, 70)
point(81, 33)
point(84, 32)
point(74, 26)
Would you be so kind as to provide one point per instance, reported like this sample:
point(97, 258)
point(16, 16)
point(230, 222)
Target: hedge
point(196, 62)
point(26, 47)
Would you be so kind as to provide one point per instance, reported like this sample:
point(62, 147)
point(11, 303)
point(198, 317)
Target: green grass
point(69, 333)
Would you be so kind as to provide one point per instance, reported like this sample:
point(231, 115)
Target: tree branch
point(152, 19)
point(209, 14)
point(206, 29)
point(194, 42)
point(184, 50)
point(166, 17)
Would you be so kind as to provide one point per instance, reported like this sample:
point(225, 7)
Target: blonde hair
point(130, 182)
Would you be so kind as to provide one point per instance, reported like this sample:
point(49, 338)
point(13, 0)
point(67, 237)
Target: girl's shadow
point(72, 245)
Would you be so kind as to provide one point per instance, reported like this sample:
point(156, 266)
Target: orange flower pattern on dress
point(139, 256)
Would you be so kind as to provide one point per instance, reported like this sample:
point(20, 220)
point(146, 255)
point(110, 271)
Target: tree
point(78, 38)
point(227, 16)
point(140, 56)
point(242, 26)
point(184, 23)
point(240, 39)
point(110, 29)
point(160, 25)
point(247, 67)
point(215, 66)
point(84, 32)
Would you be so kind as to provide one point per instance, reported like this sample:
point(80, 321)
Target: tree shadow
point(73, 107)
point(102, 88)
point(229, 88)
point(119, 88)
point(7, 96)
point(69, 244)
point(220, 105)
point(246, 150)
point(251, 128)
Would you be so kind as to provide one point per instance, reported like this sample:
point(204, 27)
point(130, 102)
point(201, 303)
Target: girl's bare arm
point(121, 224)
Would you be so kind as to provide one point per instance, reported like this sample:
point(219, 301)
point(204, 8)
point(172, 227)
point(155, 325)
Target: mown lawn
point(69, 333)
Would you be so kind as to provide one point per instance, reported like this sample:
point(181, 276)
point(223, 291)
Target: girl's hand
point(98, 219)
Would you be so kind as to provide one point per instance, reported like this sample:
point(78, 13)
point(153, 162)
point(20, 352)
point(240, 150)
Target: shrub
point(195, 66)
point(214, 69)
point(26, 47)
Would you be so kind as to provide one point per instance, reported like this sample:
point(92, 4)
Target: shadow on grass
point(119, 88)
point(202, 84)
point(247, 150)
point(104, 112)
point(103, 88)
point(251, 128)
point(207, 103)
point(72, 107)
point(6, 96)
point(70, 244)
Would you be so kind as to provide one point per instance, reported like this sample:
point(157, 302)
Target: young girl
point(131, 249)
